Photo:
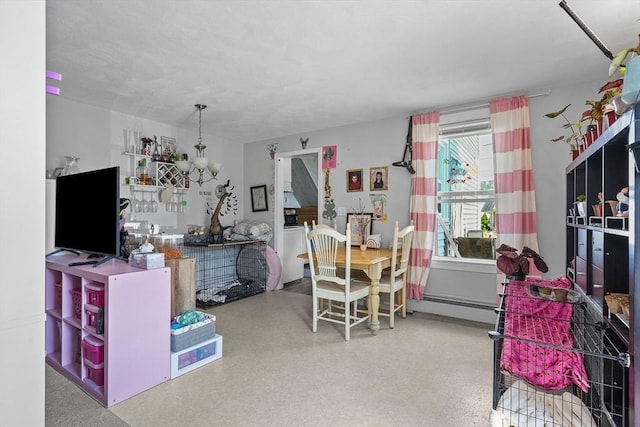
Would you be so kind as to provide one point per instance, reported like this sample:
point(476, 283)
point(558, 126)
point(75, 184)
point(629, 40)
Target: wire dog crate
point(555, 362)
point(228, 271)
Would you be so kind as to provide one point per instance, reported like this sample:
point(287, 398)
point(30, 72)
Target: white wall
point(360, 146)
point(22, 133)
point(381, 142)
point(95, 136)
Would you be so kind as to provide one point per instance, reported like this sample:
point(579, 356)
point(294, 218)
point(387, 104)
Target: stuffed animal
point(623, 202)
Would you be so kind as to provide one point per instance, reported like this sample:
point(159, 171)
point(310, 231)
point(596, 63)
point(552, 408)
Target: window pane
point(466, 197)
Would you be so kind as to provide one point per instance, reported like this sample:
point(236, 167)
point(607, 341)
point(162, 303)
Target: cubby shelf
point(135, 337)
point(602, 252)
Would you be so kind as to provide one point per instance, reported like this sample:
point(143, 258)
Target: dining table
point(370, 261)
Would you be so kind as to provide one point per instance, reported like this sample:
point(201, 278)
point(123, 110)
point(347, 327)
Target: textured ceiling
point(275, 68)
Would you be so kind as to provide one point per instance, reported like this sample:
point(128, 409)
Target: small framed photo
point(361, 227)
point(379, 178)
point(354, 180)
point(259, 198)
point(168, 145)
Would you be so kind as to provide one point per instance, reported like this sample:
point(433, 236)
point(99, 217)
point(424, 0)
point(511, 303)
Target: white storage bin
point(194, 357)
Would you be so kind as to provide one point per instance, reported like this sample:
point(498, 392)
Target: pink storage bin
point(95, 372)
point(91, 312)
point(94, 295)
point(93, 350)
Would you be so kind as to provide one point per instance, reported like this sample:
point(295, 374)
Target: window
point(466, 209)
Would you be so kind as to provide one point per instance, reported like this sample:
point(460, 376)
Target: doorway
point(283, 161)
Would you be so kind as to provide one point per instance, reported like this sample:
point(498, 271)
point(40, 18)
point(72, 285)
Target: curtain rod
point(474, 106)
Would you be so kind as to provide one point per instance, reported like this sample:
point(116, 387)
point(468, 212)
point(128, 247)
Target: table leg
point(374, 299)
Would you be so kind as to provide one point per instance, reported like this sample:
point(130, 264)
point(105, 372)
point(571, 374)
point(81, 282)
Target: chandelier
point(200, 168)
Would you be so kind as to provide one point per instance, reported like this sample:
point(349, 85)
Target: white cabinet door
point(294, 244)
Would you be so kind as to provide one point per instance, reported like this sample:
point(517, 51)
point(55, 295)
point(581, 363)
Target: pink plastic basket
point(76, 294)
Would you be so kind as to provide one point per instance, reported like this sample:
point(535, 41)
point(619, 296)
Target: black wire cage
point(228, 271)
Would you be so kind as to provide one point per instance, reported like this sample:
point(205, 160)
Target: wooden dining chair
point(394, 279)
point(314, 225)
point(331, 284)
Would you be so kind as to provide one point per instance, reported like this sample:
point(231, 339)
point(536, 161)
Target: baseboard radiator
point(461, 303)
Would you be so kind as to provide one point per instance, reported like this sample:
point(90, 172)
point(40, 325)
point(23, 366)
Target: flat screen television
point(88, 213)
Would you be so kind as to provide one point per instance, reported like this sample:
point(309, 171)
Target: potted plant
point(581, 205)
point(576, 138)
point(630, 71)
point(485, 224)
point(612, 105)
point(617, 61)
point(517, 265)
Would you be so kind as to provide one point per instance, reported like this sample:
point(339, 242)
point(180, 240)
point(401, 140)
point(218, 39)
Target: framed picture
point(354, 180)
point(361, 227)
point(329, 156)
point(379, 178)
point(168, 145)
point(379, 202)
point(259, 198)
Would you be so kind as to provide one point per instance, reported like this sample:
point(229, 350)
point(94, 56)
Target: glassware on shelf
point(127, 136)
point(143, 171)
point(137, 206)
point(137, 142)
point(180, 204)
point(154, 203)
point(71, 166)
point(146, 206)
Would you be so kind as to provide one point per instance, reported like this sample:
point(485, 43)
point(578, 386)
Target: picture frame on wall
point(379, 178)
point(168, 145)
point(357, 221)
point(259, 198)
point(354, 180)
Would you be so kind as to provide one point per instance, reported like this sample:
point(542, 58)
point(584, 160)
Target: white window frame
point(450, 131)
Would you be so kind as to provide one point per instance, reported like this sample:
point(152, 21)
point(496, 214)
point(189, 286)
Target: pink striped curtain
point(423, 207)
point(514, 188)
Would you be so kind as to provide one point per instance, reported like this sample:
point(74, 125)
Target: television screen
point(88, 212)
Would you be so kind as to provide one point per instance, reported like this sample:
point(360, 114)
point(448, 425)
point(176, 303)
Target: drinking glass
point(154, 203)
point(126, 133)
point(180, 204)
point(146, 206)
point(137, 205)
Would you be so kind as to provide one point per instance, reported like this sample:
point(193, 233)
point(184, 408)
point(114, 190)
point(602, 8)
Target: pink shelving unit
point(136, 308)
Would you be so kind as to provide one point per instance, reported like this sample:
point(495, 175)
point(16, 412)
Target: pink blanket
point(530, 321)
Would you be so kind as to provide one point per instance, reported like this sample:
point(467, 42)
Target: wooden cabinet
point(601, 247)
point(107, 327)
